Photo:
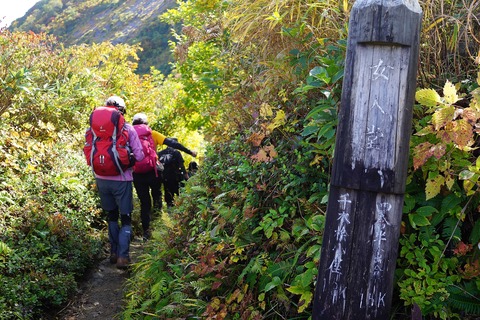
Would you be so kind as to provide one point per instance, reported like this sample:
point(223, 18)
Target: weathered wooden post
point(355, 278)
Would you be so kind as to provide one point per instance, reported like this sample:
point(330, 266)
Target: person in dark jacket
point(174, 173)
point(149, 182)
point(192, 168)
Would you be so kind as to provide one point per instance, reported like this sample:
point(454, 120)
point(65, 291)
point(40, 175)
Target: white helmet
point(140, 118)
point(117, 102)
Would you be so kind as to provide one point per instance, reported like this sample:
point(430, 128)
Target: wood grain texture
point(355, 278)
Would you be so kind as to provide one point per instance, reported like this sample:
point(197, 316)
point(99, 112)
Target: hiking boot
point(113, 258)
point(146, 235)
point(123, 263)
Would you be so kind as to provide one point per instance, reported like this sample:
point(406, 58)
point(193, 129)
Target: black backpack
point(167, 159)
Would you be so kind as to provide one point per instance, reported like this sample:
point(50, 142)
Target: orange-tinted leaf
point(462, 249)
point(249, 212)
point(447, 135)
point(256, 139)
point(270, 149)
point(261, 186)
point(425, 151)
point(439, 150)
point(471, 270)
point(261, 156)
point(443, 116)
point(470, 115)
point(463, 133)
point(233, 296)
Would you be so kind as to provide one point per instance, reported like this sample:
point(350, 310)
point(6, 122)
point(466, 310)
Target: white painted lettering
point(379, 70)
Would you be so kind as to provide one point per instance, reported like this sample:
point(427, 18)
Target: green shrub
point(47, 240)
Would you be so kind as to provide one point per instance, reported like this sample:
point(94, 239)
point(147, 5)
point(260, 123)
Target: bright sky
point(11, 10)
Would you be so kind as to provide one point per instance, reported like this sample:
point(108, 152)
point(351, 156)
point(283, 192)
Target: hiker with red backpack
point(146, 176)
point(111, 149)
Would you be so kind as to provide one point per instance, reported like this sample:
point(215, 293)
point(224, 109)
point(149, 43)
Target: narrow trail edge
point(101, 294)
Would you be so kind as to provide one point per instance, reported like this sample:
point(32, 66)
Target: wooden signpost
point(355, 278)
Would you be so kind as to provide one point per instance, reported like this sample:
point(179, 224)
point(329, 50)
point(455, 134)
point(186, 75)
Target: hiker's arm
point(158, 138)
point(177, 145)
point(135, 144)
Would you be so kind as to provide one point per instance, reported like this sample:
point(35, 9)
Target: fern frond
point(202, 285)
point(281, 269)
point(466, 298)
point(4, 249)
point(451, 229)
point(196, 304)
point(159, 288)
point(255, 266)
point(426, 233)
point(475, 235)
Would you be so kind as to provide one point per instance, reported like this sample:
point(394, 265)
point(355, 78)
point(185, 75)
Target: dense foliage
point(47, 241)
point(244, 241)
point(50, 222)
point(248, 230)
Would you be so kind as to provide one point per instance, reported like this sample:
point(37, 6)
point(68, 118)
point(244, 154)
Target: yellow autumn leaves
point(453, 125)
point(450, 123)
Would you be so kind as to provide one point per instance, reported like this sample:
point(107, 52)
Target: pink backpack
point(149, 162)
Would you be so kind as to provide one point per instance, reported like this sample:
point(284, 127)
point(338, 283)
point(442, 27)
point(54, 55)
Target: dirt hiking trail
point(100, 295)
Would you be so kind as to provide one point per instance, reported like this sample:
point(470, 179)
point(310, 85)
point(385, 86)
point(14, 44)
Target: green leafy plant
point(47, 241)
point(440, 215)
point(427, 276)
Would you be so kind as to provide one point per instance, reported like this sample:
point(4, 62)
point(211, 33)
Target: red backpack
point(149, 162)
point(106, 142)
